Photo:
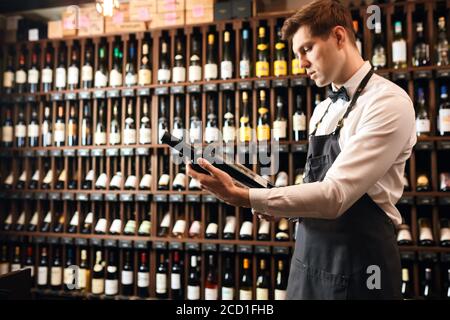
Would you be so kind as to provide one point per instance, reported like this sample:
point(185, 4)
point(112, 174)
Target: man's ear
point(340, 35)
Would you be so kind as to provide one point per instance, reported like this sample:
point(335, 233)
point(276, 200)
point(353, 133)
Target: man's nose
point(304, 63)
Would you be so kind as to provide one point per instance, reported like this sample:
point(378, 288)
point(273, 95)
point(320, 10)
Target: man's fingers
point(205, 164)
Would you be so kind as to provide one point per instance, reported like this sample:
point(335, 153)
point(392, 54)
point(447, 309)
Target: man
point(360, 139)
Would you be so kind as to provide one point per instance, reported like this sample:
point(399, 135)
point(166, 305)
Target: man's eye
point(307, 49)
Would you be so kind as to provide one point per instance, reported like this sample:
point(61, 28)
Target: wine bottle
point(262, 52)
point(20, 224)
point(263, 125)
point(164, 64)
point(175, 277)
point(399, 47)
point(72, 128)
point(228, 129)
point(98, 274)
point(7, 130)
point(282, 179)
point(211, 283)
point(33, 73)
point(164, 225)
point(358, 37)
point(282, 230)
point(130, 226)
point(229, 230)
point(20, 130)
point(45, 227)
point(246, 231)
point(116, 181)
point(146, 182)
point(100, 227)
point(131, 77)
point(60, 128)
point(193, 288)
point(87, 183)
point(280, 281)
point(280, 122)
point(211, 231)
point(8, 75)
point(86, 126)
point(69, 277)
point(144, 228)
point(46, 128)
point(16, 262)
point(84, 272)
point(245, 129)
point(180, 224)
point(101, 74)
point(73, 71)
point(244, 63)
point(211, 60)
point(145, 73)
point(421, 56)
point(211, 129)
point(262, 282)
point(299, 175)
point(56, 271)
point(179, 69)
point(21, 181)
point(32, 226)
point(407, 291)
point(100, 128)
point(443, 121)
point(299, 120)
point(263, 230)
point(143, 277)
point(129, 132)
point(127, 275)
point(280, 63)
point(21, 73)
point(114, 133)
point(115, 76)
point(161, 278)
point(428, 289)
point(444, 238)
point(226, 65)
point(194, 230)
point(178, 123)
point(59, 225)
point(227, 292)
point(179, 182)
point(4, 264)
point(8, 182)
point(33, 129)
point(87, 224)
point(164, 179)
point(425, 232)
point(47, 71)
point(162, 121)
point(442, 43)
point(42, 272)
point(112, 277)
point(195, 68)
point(73, 225)
point(61, 71)
point(195, 124)
point(423, 183)
point(379, 51)
point(87, 70)
point(404, 237)
point(245, 281)
point(145, 131)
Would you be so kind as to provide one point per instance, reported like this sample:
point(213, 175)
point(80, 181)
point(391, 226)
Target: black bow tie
point(340, 94)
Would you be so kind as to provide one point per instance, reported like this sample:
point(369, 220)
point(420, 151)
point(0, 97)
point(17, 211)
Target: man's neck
point(348, 70)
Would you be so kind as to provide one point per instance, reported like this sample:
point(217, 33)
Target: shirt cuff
point(259, 199)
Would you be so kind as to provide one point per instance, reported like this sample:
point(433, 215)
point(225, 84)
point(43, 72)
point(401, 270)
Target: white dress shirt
point(376, 140)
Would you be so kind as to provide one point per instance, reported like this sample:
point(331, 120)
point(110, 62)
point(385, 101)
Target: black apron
point(333, 258)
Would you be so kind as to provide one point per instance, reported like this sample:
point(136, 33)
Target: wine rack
point(431, 154)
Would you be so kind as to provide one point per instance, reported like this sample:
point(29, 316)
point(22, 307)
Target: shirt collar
point(352, 84)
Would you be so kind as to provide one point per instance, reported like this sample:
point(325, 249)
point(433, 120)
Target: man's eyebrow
point(302, 46)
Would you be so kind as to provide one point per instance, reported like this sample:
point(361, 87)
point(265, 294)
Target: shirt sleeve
point(384, 131)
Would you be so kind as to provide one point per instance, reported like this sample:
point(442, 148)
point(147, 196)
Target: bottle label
point(129, 136)
point(262, 69)
point(47, 75)
point(72, 130)
point(280, 294)
point(145, 227)
point(111, 287)
point(73, 75)
point(145, 135)
point(179, 74)
point(164, 180)
point(145, 77)
point(87, 73)
point(226, 70)
point(179, 227)
point(116, 181)
point(114, 137)
point(33, 76)
point(21, 77)
point(211, 294)
point(244, 68)
point(8, 219)
point(20, 131)
point(399, 51)
point(262, 294)
point(263, 132)
point(33, 130)
point(195, 134)
point(210, 71)
point(179, 180)
point(165, 223)
point(131, 182)
point(299, 122)
point(246, 228)
point(98, 286)
point(60, 132)
point(8, 79)
point(127, 277)
point(69, 276)
point(280, 68)
point(444, 120)
point(82, 278)
point(422, 125)
point(163, 75)
point(115, 78)
point(56, 276)
point(130, 79)
point(195, 73)
point(193, 293)
point(245, 134)
point(116, 226)
point(145, 181)
point(48, 217)
point(100, 138)
point(101, 79)
point(229, 134)
point(211, 134)
point(74, 221)
point(161, 283)
point(46, 134)
point(60, 78)
point(195, 228)
point(101, 225)
point(227, 293)
point(42, 276)
point(89, 218)
point(212, 228)
point(7, 134)
point(296, 69)
point(245, 295)
point(280, 129)
point(21, 220)
point(34, 219)
point(175, 281)
point(130, 227)
point(178, 133)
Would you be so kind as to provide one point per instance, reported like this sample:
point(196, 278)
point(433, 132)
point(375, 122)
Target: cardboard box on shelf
point(168, 19)
point(54, 29)
point(69, 23)
point(241, 8)
point(120, 21)
point(192, 4)
point(222, 10)
point(168, 6)
point(200, 15)
point(90, 22)
point(142, 10)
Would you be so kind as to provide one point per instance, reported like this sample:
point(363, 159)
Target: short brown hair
point(320, 16)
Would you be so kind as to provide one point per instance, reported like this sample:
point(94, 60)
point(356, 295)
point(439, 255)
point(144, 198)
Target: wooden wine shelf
point(38, 293)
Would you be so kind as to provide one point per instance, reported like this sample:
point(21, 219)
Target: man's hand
point(220, 184)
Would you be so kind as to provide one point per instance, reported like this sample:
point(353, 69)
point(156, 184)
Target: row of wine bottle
point(128, 273)
point(427, 282)
point(423, 182)
point(426, 234)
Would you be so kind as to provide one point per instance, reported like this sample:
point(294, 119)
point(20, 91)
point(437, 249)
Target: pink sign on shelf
point(143, 14)
point(118, 17)
point(83, 22)
point(198, 11)
point(69, 23)
point(170, 17)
